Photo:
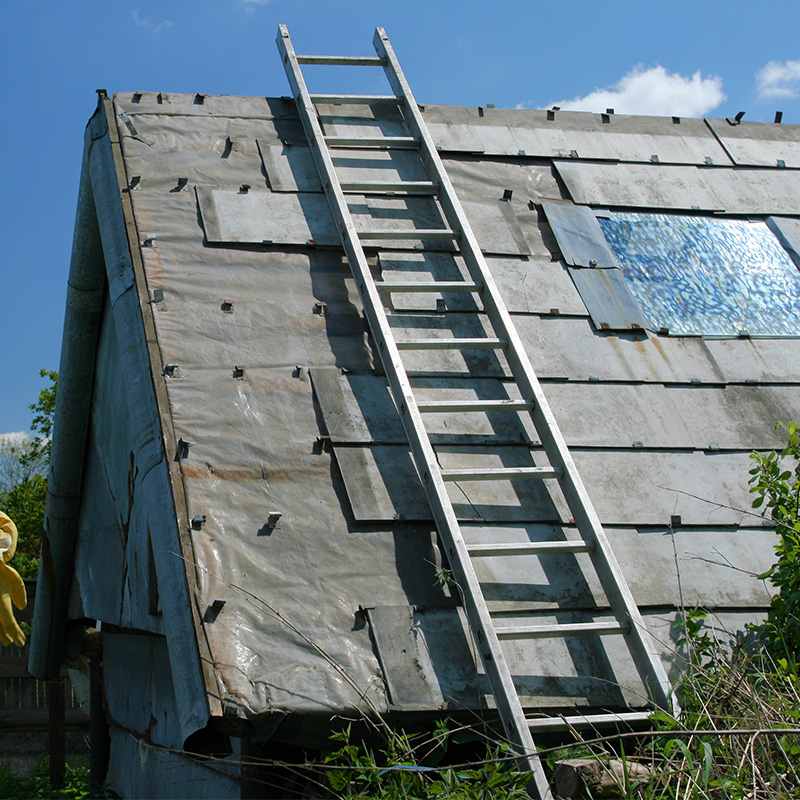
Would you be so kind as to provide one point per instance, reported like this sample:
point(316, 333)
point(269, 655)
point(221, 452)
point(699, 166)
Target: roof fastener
point(778, 117)
point(273, 519)
point(150, 240)
point(135, 182)
point(227, 306)
point(238, 371)
point(637, 444)
point(321, 308)
point(675, 521)
point(198, 521)
point(507, 194)
point(170, 369)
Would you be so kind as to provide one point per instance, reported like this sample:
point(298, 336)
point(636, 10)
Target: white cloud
point(14, 438)
point(778, 79)
point(147, 22)
point(654, 92)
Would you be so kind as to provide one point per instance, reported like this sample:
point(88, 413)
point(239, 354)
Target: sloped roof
point(317, 572)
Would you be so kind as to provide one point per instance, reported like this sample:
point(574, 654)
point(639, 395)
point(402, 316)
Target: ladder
point(628, 621)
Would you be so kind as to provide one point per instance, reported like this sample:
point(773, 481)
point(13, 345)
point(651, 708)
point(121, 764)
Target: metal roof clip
point(170, 370)
point(198, 522)
point(274, 520)
point(238, 372)
point(149, 240)
point(227, 306)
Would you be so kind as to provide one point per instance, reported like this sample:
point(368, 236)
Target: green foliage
point(412, 767)
point(775, 480)
point(24, 490)
point(76, 784)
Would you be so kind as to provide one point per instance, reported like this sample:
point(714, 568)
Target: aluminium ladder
point(488, 636)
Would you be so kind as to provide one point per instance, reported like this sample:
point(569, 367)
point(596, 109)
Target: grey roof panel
point(382, 485)
point(255, 217)
point(735, 417)
point(358, 408)
point(618, 415)
point(289, 167)
point(537, 133)
point(610, 302)
point(648, 488)
point(656, 186)
point(756, 360)
point(757, 143)
point(717, 568)
point(565, 347)
point(638, 185)
point(536, 286)
point(579, 235)
point(788, 233)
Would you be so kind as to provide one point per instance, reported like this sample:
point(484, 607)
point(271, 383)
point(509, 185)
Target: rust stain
point(245, 474)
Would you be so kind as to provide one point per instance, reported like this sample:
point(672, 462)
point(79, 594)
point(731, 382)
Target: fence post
point(56, 714)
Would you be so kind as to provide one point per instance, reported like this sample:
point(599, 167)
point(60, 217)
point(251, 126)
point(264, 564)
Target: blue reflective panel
point(697, 275)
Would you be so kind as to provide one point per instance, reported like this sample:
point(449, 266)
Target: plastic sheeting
point(286, 450)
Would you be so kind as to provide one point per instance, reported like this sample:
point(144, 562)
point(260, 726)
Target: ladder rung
point(450, 344)
point(587, 720)
point(429, 286)
point(417, 187)
point(503, 474)
point(409, 233)
point(561, 631)
point(460, 406)
point(343, 61)
point(528, 548)
point(357, 99)
point(405, 142)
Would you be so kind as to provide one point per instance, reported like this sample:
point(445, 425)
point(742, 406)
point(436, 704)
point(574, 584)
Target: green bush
point(775, 480)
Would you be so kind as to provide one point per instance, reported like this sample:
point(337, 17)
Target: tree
point(23, 479)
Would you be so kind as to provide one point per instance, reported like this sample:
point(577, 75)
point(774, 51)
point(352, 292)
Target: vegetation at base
point(23, 479)
point(775, 480)
point(76, 784)
point(414, 767)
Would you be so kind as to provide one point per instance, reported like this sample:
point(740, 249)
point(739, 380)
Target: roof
point(256, 403)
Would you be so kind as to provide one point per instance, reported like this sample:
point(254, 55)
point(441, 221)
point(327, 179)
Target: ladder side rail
point(488, 644)
point(620, 597)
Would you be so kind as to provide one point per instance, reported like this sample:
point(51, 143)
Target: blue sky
point(690, 58)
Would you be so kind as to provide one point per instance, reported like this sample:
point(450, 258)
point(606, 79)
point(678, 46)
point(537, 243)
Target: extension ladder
point(487, 635)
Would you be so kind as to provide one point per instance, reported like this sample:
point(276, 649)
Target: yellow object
point(12, 587)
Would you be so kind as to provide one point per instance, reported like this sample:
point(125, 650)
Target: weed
point(76, 784)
